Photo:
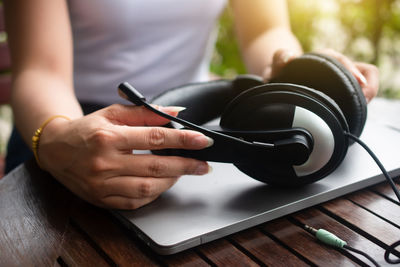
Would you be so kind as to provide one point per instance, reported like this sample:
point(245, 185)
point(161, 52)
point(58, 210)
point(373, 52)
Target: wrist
point(47, 130)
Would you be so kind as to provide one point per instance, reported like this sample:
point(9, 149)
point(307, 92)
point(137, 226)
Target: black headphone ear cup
point(285, 106)
point(205, 100)
point(327, 75)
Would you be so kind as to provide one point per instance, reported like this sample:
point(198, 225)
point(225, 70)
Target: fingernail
point(267, 74)
point(173, 108)
point(203, 168)
point(177, 108)
point(361, 78)
point(122, 94)
point(202, 141)
point(210, 141)
point(286, 56)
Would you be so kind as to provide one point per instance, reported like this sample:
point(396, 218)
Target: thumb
point(280, 59)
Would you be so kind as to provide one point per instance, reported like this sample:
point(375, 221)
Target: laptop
point(199, 209)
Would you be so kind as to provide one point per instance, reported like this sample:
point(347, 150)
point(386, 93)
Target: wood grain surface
point(43, 224)
point(34, 216)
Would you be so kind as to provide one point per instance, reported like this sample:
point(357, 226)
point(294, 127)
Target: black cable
point(361, 253)
point(332, 240)
point(391, 248)
point(388, 178)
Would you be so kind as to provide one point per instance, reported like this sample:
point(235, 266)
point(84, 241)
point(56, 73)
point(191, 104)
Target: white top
point(152, 44)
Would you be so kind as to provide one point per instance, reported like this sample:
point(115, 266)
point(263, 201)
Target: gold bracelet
point(38, 133)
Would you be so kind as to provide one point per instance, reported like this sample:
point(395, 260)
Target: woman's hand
point(92, 156)
point(367, 75)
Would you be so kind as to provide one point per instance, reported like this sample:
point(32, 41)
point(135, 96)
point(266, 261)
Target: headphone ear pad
point(277, 106)
point(327, 75)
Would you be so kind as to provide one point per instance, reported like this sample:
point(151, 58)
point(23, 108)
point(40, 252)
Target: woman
point(68, 57)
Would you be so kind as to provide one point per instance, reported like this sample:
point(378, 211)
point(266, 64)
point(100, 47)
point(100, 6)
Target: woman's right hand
point(92, 155)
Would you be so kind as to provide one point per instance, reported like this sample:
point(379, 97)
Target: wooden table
point(42, 224)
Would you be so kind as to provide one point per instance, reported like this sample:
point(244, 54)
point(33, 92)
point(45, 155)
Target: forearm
point(258, 54)
point(262, 28)
point(38, 95)
point(40, 42)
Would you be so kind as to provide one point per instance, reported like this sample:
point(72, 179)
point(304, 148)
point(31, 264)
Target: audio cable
point(387, 176)
point(334, 241)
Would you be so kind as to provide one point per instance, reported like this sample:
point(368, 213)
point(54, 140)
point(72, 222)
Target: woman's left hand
point(366, 74)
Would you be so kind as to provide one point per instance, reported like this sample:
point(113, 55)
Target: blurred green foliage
point(226, 61)
point(364, 30)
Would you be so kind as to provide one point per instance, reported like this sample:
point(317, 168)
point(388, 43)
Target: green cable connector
point(329, 238)
point(334, 241)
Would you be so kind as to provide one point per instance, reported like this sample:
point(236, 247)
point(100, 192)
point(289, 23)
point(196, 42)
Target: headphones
point(291, 131)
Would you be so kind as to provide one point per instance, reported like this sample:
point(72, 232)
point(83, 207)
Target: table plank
point(76, 251)
point(317, 219)
point(265, 249)
point(111, 237)
point(386, 190)
point(361, 219)
point(185, 258)
point(222, 253)
point(378, 205)
point(34, 215)
point(304, 244)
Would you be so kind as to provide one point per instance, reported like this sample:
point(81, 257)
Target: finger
point(151, 138)
point(138, 116)
point(280, 59)
point(267, 74)
point(124, 203)
point(371, 74)
point(137, 187)
point(160, 166)
point(347, 63)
